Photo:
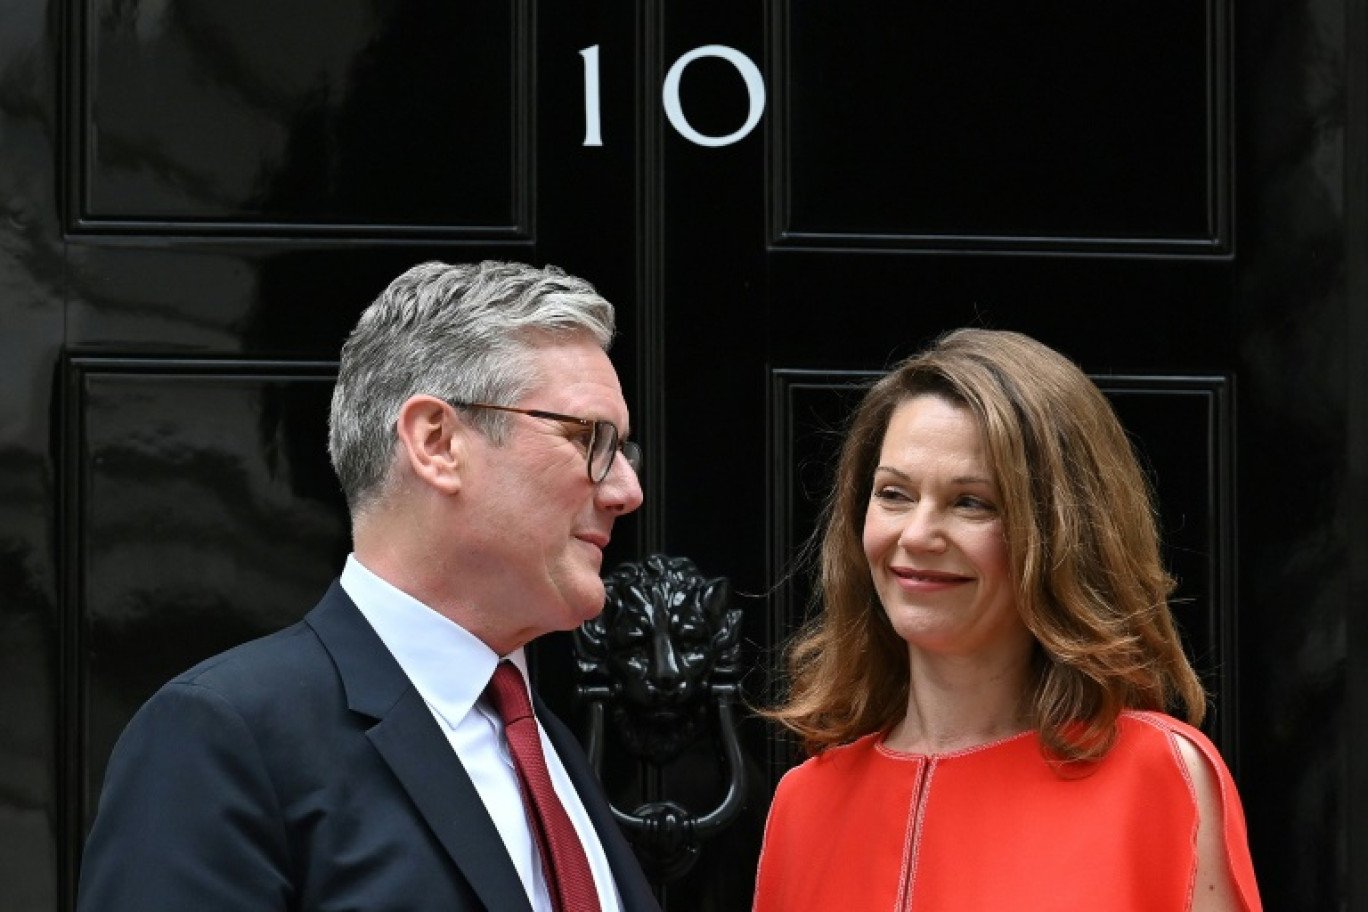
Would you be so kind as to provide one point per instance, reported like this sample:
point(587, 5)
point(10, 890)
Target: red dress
point(995, 827)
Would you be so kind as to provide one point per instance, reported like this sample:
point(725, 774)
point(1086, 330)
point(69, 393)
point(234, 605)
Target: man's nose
point(620, 490)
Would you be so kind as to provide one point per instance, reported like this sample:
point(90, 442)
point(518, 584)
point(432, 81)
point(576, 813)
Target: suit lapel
point(421, 757)
point(412, 744)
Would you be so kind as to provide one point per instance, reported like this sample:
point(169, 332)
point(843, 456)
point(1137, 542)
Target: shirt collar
point(447, 664)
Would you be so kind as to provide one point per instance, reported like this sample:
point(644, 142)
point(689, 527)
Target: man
point(354, 760)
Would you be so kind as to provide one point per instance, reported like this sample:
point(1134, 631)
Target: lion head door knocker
point(662, 662)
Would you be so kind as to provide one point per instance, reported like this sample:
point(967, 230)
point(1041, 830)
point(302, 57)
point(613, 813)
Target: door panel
point(1000, 125)
point(210, 473)
point(302, 115)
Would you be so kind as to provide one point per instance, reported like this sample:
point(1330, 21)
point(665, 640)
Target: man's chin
point(588, 604)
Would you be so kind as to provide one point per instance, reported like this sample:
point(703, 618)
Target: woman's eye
point(977, 504)
point(890, 494)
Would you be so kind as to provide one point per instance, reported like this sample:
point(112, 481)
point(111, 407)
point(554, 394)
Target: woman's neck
point(956, 703)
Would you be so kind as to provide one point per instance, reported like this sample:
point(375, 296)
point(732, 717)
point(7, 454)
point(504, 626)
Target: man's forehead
point(576, 376)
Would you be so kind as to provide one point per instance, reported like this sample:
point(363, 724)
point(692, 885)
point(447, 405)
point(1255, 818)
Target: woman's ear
point(432, 441)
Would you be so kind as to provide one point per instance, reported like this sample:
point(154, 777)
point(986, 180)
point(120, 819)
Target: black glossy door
point(782, 197)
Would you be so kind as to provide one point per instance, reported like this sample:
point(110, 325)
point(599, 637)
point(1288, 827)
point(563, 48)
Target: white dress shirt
point(449, 667)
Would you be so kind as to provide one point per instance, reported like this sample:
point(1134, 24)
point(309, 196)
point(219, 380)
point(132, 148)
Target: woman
point(984, 692)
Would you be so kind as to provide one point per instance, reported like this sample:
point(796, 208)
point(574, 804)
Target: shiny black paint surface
point(31, 339)
point(202, 522)
point(1292, 328)
point(1000, 120)
point(197, 199)
point(362, 113)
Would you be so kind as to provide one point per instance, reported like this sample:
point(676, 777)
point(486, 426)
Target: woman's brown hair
point(1081, 531)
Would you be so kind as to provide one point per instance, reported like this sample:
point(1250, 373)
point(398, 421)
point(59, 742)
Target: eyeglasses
point(604, 442)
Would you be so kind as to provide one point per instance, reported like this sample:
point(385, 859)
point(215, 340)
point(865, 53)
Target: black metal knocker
point(662, 654)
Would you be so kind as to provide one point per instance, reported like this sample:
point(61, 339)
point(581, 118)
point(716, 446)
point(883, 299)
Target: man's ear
point(433, 441)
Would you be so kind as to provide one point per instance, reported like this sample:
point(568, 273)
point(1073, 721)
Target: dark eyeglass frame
point(598, 429)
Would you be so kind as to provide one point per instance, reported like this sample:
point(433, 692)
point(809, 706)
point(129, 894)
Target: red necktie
point(568, 878)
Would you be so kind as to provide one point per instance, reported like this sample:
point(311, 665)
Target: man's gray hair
point(460, 332)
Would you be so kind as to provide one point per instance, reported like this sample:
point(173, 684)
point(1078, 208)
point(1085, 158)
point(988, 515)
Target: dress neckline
point(881, 747)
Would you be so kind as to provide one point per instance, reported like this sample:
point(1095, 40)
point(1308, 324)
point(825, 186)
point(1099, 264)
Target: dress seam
point(912, 843)
point(1172, 734)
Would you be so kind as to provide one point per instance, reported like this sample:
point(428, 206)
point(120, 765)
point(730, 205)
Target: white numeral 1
point(593, 135)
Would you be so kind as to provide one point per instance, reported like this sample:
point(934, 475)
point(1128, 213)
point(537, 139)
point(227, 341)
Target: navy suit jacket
point(303, 771)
